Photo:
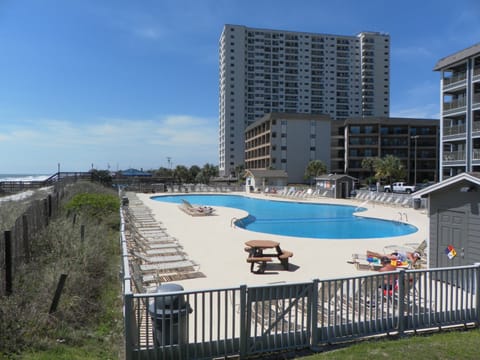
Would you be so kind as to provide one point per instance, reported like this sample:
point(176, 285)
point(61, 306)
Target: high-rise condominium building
point(460, 112)
point(264, 71)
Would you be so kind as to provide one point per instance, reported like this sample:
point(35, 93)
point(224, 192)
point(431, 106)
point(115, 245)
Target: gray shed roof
point(334, 177)
point(458, 56)
point(473, 177)
point(267, 173)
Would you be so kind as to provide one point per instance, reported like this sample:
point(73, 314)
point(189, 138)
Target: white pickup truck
point(399, 187)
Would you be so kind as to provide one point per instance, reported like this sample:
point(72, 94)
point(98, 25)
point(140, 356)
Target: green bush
point(94, 205)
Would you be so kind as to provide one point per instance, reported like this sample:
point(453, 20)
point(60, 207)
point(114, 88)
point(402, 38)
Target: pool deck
point(218, 247)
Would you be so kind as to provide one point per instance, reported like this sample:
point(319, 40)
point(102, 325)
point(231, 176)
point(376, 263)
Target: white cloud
point(425, 111)
point(412, 51)
point(143, 143)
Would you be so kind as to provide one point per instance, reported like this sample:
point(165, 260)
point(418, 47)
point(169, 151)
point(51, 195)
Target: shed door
point(451, 226)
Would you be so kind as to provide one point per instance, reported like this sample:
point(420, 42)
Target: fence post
point(314, 315)
point(401, 302)
point(49, 205)
point(477, 294)
point(82, 233)
point(45, 213)
point(8, 262)
point(243, 322)
point(129, 343)
point(58, 293)
point(26, 240)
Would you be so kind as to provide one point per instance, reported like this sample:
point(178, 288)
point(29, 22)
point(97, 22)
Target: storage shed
point(337, 186)
point(454, 226)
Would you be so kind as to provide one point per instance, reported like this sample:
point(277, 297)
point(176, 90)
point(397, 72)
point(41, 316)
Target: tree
point(102, 176)
point(164, 172)
point(181, 174)
point(239, 170)
point(368, 163)
point(314, 169)
point(193, 172)
point(208, 171)
point(390, 167)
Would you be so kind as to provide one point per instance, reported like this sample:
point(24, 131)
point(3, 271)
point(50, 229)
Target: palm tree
point(390, 167)
point(368, 163)
point(181, 174)
point(239, 170)
point(208, 171)
point(314, 169)
point(193, 172)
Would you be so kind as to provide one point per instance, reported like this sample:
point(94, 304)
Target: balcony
point(476, 73)
point(454, 130)
point(454, 105)
point(476, 99)
point(475, 154)
point(476, 126)
point(457, 78)
point(454, 156)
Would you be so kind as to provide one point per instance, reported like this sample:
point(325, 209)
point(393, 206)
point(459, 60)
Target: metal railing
point(246, 321)
point(475, 154)
point(455, 78)
point(454, 156)
point(454, 130)
point(454, 104)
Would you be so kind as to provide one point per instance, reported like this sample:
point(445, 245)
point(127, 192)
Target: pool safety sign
point(450, 251)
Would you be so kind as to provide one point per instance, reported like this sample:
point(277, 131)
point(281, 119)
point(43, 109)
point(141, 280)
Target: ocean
point(24, 177)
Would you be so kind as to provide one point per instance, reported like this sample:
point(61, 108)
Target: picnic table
point(256, 254)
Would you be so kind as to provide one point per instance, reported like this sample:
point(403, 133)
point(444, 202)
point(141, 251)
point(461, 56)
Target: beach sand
point(218, 246)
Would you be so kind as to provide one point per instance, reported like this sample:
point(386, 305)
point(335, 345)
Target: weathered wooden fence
point(15, 243)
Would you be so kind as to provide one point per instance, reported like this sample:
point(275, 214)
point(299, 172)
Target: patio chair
point(196, 210)
point(420, 248)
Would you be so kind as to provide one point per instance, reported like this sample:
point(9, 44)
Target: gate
point(278, 317)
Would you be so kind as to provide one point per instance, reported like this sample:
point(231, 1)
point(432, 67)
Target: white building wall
point(263, 71)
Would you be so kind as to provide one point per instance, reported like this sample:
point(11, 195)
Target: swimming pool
point(310, 220)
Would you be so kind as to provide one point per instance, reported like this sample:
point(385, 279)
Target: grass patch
point(444, 345)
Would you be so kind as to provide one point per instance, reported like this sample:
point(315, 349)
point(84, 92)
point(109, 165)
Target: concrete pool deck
point(218, 246)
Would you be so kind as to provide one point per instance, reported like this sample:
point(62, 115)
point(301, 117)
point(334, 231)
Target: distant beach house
point(259, 180)
point(134, 172)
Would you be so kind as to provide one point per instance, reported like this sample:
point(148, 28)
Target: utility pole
point(415, 138)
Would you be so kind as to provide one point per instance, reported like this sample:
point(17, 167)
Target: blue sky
point(118, 84)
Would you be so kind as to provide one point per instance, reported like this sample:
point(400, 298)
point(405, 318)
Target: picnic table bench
point(256, 255)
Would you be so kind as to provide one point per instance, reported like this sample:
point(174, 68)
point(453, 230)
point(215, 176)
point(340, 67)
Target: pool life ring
point(450, 251)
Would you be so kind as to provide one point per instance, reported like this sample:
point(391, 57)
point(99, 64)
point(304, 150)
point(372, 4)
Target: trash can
point(417, 203)
point(169, 316)
point(124, 201)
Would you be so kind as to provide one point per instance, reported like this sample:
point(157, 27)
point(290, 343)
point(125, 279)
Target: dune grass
point(84, 245)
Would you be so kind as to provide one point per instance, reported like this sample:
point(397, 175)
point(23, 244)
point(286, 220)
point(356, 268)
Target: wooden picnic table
point(256, 255)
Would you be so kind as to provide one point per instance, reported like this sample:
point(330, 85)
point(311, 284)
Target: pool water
point(309, 220)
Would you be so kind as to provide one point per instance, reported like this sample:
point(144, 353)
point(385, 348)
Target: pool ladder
point(233, 220)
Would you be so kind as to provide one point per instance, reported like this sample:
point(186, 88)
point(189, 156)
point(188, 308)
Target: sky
point(114, 84)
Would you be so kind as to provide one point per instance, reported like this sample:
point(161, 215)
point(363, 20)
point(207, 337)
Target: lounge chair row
point(293, 193)
point(156, 257)
point(403, 200)
point(196, 210)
